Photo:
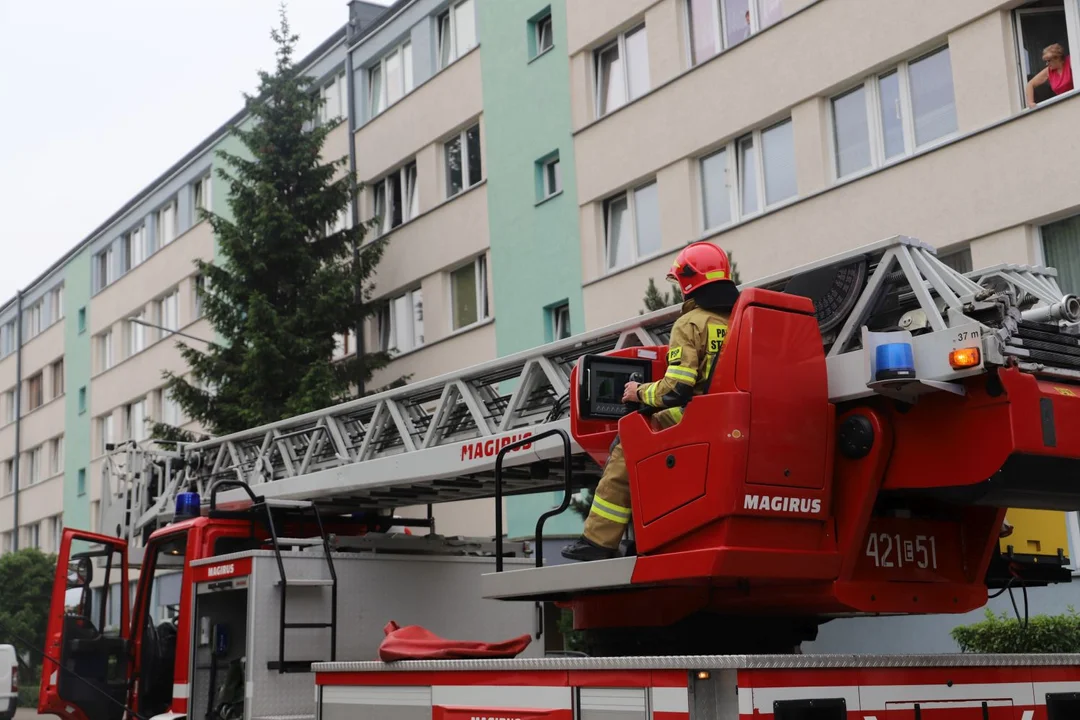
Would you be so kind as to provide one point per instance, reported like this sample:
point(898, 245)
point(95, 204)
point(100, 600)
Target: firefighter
point(702, 273)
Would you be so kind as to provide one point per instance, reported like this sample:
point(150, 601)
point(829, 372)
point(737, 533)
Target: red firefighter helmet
point(699, 264)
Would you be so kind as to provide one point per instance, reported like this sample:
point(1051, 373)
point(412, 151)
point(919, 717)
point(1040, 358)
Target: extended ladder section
point(437, 440)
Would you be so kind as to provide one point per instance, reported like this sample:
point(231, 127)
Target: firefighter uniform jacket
point(696, 339)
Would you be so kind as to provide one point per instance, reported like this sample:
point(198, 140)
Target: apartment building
point(545, 159)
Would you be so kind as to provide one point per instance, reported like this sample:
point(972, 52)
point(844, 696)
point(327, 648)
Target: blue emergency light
point(187, 505)
point(894, 360)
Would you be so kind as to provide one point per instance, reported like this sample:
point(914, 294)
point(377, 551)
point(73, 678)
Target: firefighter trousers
point(610, 511)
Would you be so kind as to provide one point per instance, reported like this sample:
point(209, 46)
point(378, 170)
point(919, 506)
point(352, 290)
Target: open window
point(1040, 25)
point(85, 673)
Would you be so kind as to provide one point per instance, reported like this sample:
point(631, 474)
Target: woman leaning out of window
point(1058, 72)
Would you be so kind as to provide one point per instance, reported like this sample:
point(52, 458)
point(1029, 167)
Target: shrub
point(1002, 634)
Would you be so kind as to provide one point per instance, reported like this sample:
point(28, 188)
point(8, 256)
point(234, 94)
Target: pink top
point(1061, 80)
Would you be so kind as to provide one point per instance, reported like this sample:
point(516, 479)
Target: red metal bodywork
point(745, 507)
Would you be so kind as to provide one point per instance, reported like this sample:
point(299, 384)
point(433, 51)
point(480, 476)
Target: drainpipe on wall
point(18, 413)
point(358, 290)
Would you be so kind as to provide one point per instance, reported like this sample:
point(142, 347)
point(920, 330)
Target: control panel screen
point(603, 380)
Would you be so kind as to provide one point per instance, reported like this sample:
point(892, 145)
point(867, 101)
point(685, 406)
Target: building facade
point(534, 163)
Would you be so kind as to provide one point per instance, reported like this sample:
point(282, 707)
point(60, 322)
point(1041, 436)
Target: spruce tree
point(286, 280)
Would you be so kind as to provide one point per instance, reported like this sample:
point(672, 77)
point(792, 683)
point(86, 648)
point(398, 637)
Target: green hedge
point(1004, 634)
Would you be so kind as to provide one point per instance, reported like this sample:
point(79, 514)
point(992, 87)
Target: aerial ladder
point(865, 394)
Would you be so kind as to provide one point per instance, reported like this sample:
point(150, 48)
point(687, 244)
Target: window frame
point(56, 369)
point(160, 217)
point(1072, 36)
point(160, 302)
point(551, 191)
point(871, 87)
point(455, 52)
point(201, 196)
point(630, 195)
point(31, 395)
point(386, 329)
point(733, 168)
point(106, 357)
point(410, 209)
point(538, 34)
point(483, 307)
point(560, 315)
point(618, 41)
point(335, 86)
point(408, 81)
point(463, 147)
point(719, 36)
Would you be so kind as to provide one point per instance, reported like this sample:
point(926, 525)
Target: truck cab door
point(87, 662)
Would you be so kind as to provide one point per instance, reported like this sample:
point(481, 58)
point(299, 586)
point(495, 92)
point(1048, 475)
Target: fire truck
point(871, 421)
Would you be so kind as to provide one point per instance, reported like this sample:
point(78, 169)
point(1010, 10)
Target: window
point(168, 309)
point(395, 198)
point(622, 71)
point(135, 247)
point(463, 172)
point(136, 333)
point(200, 196)
point(7, 339)
point(543, 35)
point(105, 432)
point(715, 25)
point(391, 79)
point(960, 260)
point(9, 406)
point(80, 482)
point(731, 184)
point(135, 426)
point(35, 392)
point(56, 456)
point(560, 321)
point(552, 177)
point(81, 320)
point(456, 32)
point(170, 409)
point(32, 319)
point(105, 350)
point(631, 226)
point(56, 531)
point(1038, 26)
point(105, 267)
point(82, 400)
point(56, 304)
point(401, 322)
point(468, 293)
point(9, 476)
point(5, 542)
point(33, 465)
point(33, 535)
point(202, 286)
point(334, 99)
point(1061, 251)
point(167, 228)
point(58, 378)
point(893, 114)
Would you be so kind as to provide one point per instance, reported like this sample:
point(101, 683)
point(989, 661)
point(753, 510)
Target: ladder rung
point(305, 583)
point(275, 503)
point(307, 626)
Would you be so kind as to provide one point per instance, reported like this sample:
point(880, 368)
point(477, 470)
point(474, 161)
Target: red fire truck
point(873, 418)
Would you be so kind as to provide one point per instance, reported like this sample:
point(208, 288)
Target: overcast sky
point(99, 98)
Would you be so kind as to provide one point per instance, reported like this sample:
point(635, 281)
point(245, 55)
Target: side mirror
point(80, 572)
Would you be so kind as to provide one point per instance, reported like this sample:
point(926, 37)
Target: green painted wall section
point(77, 348)
point(535, 251)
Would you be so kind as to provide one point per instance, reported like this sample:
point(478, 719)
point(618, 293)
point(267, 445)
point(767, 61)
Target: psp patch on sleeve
point(674, 355)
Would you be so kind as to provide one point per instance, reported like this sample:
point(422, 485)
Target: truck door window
point(817, 709)
point(156, 627)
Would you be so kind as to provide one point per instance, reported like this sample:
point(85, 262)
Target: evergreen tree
point(289, 276)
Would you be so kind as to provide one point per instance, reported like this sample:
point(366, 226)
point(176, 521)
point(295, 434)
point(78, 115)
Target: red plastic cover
point(413, 642)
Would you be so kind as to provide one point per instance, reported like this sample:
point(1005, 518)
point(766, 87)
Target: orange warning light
point(964, 357)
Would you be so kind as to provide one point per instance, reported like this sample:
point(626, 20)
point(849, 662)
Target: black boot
point(586, 550)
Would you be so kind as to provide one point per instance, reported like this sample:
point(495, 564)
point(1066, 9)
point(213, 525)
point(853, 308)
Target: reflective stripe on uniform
point(610, 511)
point(681, 374)
point(676, 414)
